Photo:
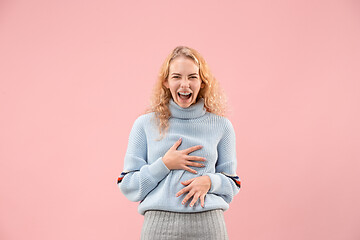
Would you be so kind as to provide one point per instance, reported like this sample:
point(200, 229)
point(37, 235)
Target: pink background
point(74, 75)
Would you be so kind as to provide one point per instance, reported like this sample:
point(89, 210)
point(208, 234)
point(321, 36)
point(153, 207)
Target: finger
point(202, 200)
point(191, 149)
point(188, 196)
point(177, 143)
point(182, 191)
point(190, 169)
point(194, 164)
point(195, 158)
point(195, 198)
point(187, 182)
point(179, 193)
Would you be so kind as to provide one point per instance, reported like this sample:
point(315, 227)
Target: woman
point(181, 158)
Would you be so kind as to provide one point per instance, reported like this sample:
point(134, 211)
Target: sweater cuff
point(158, 169)
point(215, 182)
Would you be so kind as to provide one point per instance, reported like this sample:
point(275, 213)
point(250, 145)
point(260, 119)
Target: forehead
point(183, 65)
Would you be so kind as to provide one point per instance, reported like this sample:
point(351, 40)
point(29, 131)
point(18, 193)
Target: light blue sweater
point(146, 178)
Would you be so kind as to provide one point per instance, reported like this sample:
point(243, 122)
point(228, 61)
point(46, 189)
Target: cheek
point(173, 87)
point(196, 86)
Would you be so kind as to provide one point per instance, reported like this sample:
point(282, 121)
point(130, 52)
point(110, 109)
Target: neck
point(193, 111)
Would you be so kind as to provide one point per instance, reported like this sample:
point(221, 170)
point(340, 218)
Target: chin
point(185, 106)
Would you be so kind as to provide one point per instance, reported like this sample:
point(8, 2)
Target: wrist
point(165, 161)
point(208, 180)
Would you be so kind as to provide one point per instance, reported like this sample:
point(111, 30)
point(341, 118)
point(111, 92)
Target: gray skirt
point(164, 225)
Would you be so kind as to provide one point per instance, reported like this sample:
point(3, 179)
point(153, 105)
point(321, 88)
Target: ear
point(202, 85)
point(166, 83)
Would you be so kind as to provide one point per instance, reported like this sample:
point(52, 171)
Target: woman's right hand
point(179, 159)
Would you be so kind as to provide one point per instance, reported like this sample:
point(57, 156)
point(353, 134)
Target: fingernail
point(182, 203)
point(191, 205)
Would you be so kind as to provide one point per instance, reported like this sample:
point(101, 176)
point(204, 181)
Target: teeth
point(185, 94)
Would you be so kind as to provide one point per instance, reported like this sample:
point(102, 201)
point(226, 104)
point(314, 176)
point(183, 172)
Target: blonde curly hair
point(215, 100)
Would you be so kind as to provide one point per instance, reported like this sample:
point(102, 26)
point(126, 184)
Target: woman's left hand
point(197, 188)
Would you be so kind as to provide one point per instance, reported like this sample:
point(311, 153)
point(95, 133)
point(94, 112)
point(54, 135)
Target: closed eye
point(190, 77)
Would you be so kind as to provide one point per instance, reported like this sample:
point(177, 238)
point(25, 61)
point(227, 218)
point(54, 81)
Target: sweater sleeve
point(225, 182)
point(138, 177)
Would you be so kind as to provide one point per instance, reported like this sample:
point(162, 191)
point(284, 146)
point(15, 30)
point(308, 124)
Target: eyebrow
point(189, 74)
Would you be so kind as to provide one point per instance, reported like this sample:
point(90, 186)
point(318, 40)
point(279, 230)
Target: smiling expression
point(184, 81)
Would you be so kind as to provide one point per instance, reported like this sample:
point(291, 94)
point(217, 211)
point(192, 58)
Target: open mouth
point(184, 96)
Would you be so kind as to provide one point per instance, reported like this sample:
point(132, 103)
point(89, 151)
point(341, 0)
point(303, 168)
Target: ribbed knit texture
point(163, 225)
point(146, 178)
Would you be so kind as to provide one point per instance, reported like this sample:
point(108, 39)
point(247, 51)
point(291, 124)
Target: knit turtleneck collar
point(193, 111)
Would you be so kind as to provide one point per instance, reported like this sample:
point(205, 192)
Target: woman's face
point(183, 78)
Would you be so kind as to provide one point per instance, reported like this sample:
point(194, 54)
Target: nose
point(185, 83)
